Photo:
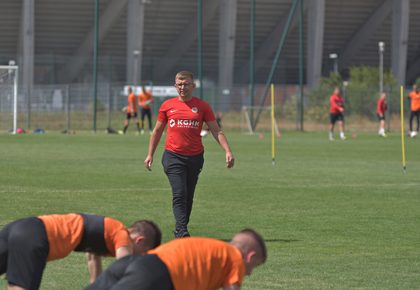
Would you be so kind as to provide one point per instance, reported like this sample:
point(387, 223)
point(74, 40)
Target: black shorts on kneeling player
point(23, 252)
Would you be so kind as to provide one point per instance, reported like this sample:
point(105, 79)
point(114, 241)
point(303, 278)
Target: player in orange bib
point(414, 96)
point(145, 103)
point(188, 264)
point(131, 111)
point(26, 245)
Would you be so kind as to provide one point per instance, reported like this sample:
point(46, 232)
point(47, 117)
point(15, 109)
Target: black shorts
point(130, 115)
point(381, 118)
point(334, 117)
point(113, 273)
point(23, 252)
point(145, 112)
point(135, 273)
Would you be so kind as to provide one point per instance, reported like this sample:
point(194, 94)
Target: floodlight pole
point(136, 79)
point(334, 58)
point(381, 46)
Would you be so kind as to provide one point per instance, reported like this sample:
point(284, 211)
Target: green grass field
point(336, 215)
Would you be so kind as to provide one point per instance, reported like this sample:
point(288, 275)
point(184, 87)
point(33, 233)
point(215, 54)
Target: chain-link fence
point(70, 107)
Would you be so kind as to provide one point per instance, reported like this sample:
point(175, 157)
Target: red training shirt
point(381, 106)
point(336, 103)
point(185, 120)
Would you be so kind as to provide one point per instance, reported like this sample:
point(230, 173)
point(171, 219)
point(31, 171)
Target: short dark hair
point(259, 239)
point(184, 74)
point(150, 231)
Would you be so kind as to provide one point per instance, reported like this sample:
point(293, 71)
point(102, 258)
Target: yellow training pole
point(273, 152)
point(402, 127)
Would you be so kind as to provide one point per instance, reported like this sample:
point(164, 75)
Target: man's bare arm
point(154, 141)
point(94, 263)
point(221, 139)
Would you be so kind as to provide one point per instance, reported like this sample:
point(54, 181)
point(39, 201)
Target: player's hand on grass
point(230, 160)
point(148, 162)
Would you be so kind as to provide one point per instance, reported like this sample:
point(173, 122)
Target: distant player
point(188, 264)
point(381, 108)
point(26, 245)
point(145, 103)
point(131, 111)
point(336, 113)
point(414, 96)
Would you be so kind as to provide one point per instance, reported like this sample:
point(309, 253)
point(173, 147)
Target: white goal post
point(9, 96)
point(266, 111)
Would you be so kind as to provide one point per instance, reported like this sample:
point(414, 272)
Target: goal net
point(8, 98)
point(265, 121)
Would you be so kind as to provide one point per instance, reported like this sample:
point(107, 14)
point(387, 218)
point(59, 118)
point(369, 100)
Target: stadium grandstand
point(139, 41)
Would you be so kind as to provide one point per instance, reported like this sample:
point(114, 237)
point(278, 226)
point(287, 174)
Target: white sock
point(342, 134)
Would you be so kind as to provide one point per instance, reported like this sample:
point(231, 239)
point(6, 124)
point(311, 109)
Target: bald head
point(249, 240)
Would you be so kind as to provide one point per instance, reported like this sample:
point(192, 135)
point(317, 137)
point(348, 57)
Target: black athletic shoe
point(181, 234)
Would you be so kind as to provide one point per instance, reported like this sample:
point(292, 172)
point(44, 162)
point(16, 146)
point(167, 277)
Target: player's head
point(184, 83)
point(337, 91)
point(383, 95)
point(130, 90)
point(252, 246)
point(145, 236)
point(415, 87)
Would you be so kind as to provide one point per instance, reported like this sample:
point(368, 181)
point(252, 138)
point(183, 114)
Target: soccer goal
point(249, 112)
point(8, 97)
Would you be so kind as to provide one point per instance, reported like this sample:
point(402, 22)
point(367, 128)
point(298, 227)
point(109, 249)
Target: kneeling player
point(27, 244)
point(188, 264)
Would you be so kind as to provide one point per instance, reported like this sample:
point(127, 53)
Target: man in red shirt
point(414, 97)
point(336, 113)
point(381, 108)
point(183, 157)
point(26, 245)
point(188, 264)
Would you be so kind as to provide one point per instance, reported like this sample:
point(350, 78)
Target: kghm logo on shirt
point(184, 123)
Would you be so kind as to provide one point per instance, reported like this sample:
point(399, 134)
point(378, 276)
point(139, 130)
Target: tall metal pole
point(68, 109)
point(381, 46)
point(276, 59)
point(200, 46)
point(110, 90)
point(15, 96)
point(301, 52)
point(136, 78)
point(95, 63)
point(252, 61)
point(334, 58)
